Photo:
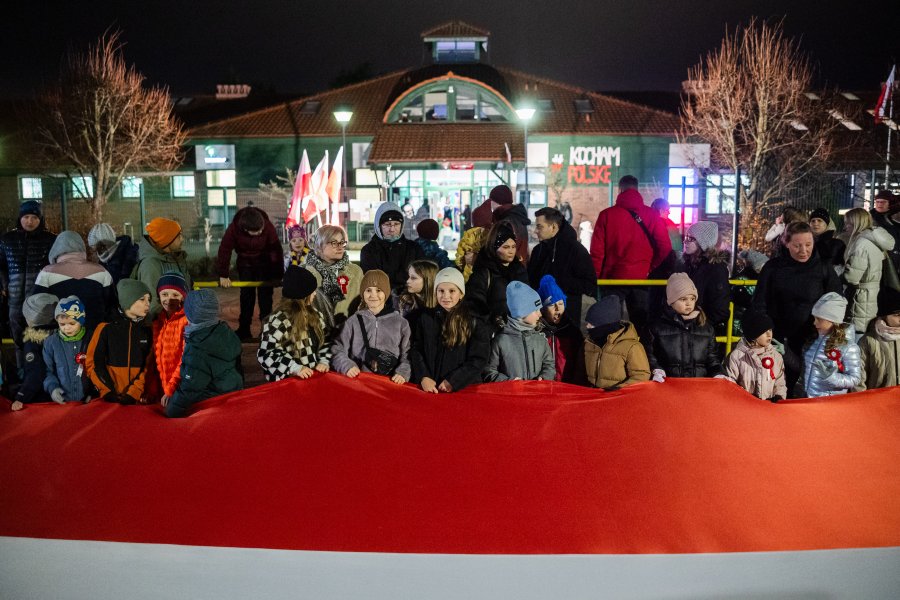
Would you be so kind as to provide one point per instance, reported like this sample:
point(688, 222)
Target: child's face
point(374, 299)
point(68, 325)
point(554, 312)
point(171, 300)
point(533, 318)
point(892, 320)
point(685, 305)
point(414, 282)
point(448, 295)
point(507, 252)
point(822, 326)
point(298, 244)
point(764, 340)
point(140, 309)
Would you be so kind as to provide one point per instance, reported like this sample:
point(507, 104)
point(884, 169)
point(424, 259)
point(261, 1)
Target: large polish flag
point(300, 191)
point(333, 187)
point(887, 91)
point(359, 488)
point(317, 198)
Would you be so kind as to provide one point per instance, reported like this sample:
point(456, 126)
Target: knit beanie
point(30, 207)
point(501, 194)
point(391, 214)
point(521, 300)
point(172, 281)
point(162, 231)
point(757, 260)
point(71, 307)
point(38, 309)
point(706, 233)
point(504, 233)
point(66, 242)
point(605, 311)
point(378, 279)
point(130, 291)
point(450, 275)
point(820, 213)
point(428, 229)
point(297, 231)
point(550, 292)
point(831, 307)
point(678, 286)
point(101, 232)
point(754, 324)
point(201, 306)
point(298, 283)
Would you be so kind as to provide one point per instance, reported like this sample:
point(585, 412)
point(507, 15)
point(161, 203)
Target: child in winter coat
point(449, 345)
point(419, 291)
point(212, 352)
point(375, 329)
point(880, 347)
point(832, 362)
point(295, 342)
point(120, 349)
point(168, 332)
point(38, 310)
point(428, 231)
point(298, 247)
point(65, 354)
point(613, 354)
point(563, 336)
point(755, 364)
point(681, 343)
point(519, 351)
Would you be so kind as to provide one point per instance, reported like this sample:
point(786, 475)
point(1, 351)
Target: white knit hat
point(451, 275)
point(101, 232)
point(831, 307)
point(706, 233)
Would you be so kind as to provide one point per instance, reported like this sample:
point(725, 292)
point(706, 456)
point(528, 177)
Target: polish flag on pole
point(333, 187)
point(886, 91)
point(317, 199)
point(301, 190)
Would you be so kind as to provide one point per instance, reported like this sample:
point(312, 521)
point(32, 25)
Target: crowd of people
point(121, 324)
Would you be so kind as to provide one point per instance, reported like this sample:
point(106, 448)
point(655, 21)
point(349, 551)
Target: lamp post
point(525, 114)
point(343, 116)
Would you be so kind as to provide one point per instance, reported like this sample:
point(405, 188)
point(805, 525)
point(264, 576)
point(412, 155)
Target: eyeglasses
point(690, 238)
point(338, 244)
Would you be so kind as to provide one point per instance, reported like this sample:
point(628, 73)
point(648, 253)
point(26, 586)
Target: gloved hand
point(825, 368)
point(126, 399)
point(778, 346)
point(111, 397)
point(776, 398)
point(659, 376)
point(58, 395)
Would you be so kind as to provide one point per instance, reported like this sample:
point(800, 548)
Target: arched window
point(450, 100)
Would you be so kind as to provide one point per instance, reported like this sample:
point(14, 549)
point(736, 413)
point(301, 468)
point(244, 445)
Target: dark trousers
point(248, 300)
point(636, 303)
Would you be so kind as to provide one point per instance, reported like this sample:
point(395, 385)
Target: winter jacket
point(516, 217)
point(880, 352)
point(61, 359)
point(351, 295)
point(72, 274)
point(22, 256)
point(619, 247)
point(391, 257)
point(682, 348)
point(787, 290)
point(209, 367)
point(388, 331)
point(486, 288)
point(433, 252)
point(570, 264)
point(117, 357)
point(120, 258)
point(891, 224)
point(621, 360)
point(259, 257)
point(566, 344)
point(460, 365)
point(518, 353)
point(862, 271)
point(33, 365)
point(482, 216)
point(471, 240)
point(280, 357)
point(152, 264)
point(744, 367)
point(833, 381)
point(168, 346)
point(709, 272)
point(830, 248)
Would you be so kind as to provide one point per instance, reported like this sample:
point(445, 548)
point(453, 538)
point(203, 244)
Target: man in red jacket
point(260, 257)
point(629, 241)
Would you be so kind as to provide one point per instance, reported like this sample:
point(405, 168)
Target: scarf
point(297, 260)
point(520, 325)
point(78, 336)
point(329, 273)
point(104, 258)
point(192, 327)
point(889, 334)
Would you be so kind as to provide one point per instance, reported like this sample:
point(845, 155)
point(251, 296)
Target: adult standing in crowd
point(160, 252)
point(389, 250)
point(483, 216)
point(789, 286)
point(24, 251)
point(828, 246)
point(629, 241)
point(338, 278)
point(866, 248)
point(670, 262)
point(559, 253)
point(886, 214)
point(495, 267)
point(516, 217)
point(118, 255)
point(707, 266)
point(253, 238)
point(409, 221)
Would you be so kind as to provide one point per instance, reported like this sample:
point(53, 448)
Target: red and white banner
point(317, 198)
point(333, 187)
point(301, 191)
point(887, 91)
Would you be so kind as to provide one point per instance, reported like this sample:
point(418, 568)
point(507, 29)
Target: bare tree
point(751, 101)
point(101, 121)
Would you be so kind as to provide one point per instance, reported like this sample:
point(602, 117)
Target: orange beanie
point(162, 231)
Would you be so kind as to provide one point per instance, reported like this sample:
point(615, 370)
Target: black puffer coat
point(430, 357)
point(22, 256)
point(486, 288)
point(682, 348)
point(709, 272)
point(569, 262)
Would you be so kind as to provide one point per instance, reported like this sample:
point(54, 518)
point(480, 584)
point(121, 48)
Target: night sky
point(299, 46)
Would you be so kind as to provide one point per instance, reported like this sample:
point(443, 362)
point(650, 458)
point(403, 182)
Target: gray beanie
point(38, 309)
point(66, 242)
point(831, 307)
point(706, 233)
point(201, 307)
point(101, 232)
point(130, 291)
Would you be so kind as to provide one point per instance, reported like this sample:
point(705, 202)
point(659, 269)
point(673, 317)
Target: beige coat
point(744, 367)
point(347, 306)
point(621, 361)
point(880, 351)
point(862, 269)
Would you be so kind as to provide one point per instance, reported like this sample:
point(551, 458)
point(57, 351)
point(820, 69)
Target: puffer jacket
point(880, 352)
point(430, 357)
point(519, 353)
point(260, 257)
point(22, 256)
point(744, 367)
point(709, 272)
point(835, 381)
point(152, 264)
point(388, 331)
point(209, 367)
point(620, 361)
point(118, 356)
point(486, 288)
point(391, 257)
point(61, 360)
point(567, 345)
point(33, 365)
point(570, 264)
point(682, 348)
point(862, 270)
point(279, 356)
point(168, 344)
point(433, 252)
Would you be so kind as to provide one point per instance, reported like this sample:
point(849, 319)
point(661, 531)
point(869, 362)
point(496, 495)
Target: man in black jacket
point(560, 254)
point(388, 249)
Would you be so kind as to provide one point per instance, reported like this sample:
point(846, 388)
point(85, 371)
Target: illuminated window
point(83, 187)
point(183, 186)
point(131, 187)
point(449, 101)
point(223, 178)
point(455, 51)
point(31, 188)
point(436, 106)
point(682, 195)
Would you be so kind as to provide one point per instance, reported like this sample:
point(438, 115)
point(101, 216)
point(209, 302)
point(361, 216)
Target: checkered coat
point(279, 356)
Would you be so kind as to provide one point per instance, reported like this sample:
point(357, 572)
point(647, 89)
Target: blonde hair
point(325, 234)
point(837, 337)
point(304, 318)
point(857, 220)
point(427, 270)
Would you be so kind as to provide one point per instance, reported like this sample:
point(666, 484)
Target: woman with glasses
point(707, 266)
point(338, 278)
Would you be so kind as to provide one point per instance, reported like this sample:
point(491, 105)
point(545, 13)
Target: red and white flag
point(333, 187)
point(317, 198)
point(301, 190)
point(886, 91)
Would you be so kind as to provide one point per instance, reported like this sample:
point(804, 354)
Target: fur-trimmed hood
point(36, 335)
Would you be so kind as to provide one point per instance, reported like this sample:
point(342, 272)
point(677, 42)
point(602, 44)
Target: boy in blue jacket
point(65, 353)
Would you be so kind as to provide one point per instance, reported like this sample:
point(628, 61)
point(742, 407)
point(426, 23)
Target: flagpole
point(887, 156)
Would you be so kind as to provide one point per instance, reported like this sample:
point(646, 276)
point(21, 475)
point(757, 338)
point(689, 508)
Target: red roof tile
point(455, 29)
point(440, 142)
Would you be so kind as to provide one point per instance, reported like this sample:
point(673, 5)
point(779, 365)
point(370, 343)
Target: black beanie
point(504, 233)
point(298, 283)
point(754, 324)
point(428, 229)
point(390, 215)
point(820, 213)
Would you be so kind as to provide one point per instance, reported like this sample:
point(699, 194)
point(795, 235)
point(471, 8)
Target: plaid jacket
point(279, 356)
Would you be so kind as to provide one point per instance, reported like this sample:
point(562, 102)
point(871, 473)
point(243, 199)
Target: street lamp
point(343, 116)
point(525, 114)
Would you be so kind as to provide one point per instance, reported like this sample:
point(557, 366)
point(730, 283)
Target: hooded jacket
point(682, 348)
point(744, 367)
point(259, 257)
point(118, 356)
point(619, 247)
point(33, 365)
point(880, 353)
point(890, 222)
point(709, 272)
point(387, 331)
point(152, 264)
point(619, 362)
point(570, 264)
point(519, 354)
point(168, 345)
point(22, 255)
point(567, 346)
point(391, 257)
point(486, 288)
point(120, 258)
point(60, 358)
point(863, 263)
point(835, 382)
point(430, 357)
point(208, 367)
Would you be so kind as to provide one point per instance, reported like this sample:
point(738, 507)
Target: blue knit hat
point(605, 311)
point(550, 291)
point(71, 307)
point(172, 281)
point(521, 300)
point(30, 207)
point(201, 307)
